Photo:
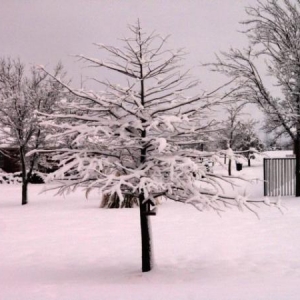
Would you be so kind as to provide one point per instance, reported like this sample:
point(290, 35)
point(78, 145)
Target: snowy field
point(67, 248)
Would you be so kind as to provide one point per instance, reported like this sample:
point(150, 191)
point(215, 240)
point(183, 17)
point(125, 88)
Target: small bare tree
point(231, 130)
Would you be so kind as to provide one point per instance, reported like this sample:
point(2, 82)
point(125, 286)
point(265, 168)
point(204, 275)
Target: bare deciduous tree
point(20, 97)
point(274, 33)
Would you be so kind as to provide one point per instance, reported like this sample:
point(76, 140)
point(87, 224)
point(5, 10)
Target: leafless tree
point(273, 28)
point(20, 97)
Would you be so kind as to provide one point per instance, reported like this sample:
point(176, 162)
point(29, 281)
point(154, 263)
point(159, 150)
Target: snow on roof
point(278, 154)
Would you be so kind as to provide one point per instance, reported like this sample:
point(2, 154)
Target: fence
point(279, 176)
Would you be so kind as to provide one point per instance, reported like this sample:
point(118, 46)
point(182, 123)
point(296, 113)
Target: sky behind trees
point(43, 32)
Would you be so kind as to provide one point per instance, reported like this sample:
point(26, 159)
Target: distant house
point(9, 159)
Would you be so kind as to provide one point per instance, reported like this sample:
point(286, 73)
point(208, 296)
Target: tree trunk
point(24, 192)
point(229, 167)
point(145, 236)
point(297, 154)
point(249, 160)
point(144, 219)
point(24, 177)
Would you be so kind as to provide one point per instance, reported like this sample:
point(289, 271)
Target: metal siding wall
point(279, 176)
point(294, 175)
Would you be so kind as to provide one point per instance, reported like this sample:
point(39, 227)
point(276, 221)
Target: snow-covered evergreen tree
point(128, 140)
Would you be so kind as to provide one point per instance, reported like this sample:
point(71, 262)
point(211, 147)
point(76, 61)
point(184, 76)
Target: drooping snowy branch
point(132, 139)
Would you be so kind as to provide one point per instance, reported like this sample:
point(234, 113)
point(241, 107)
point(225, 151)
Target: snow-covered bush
point(10, 178)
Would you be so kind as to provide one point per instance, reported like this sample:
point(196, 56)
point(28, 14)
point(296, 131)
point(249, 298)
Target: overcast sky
point(46, 31)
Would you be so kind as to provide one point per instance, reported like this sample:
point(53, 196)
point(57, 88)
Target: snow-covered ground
point(67, 248)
